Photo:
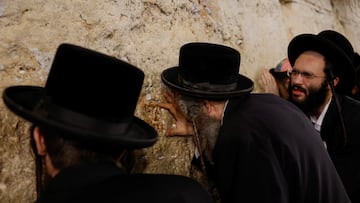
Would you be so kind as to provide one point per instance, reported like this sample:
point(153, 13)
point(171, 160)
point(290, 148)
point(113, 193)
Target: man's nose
point(297, 79)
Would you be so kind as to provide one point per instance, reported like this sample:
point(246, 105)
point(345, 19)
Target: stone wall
point(148, 34)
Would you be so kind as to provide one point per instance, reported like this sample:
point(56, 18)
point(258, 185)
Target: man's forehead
point(313, 54)
point(310, 59)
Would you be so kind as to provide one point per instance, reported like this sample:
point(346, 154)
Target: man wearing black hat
point(84, 125)
point(322, 75)
point(256, 147)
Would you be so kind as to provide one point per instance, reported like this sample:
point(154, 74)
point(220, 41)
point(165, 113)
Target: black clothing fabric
point(268, 151)
point(346, 158)
point(107, 183)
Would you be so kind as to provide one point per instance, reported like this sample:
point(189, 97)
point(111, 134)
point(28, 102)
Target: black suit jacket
point(268, 151)
point(107, 183)
point(346, 156)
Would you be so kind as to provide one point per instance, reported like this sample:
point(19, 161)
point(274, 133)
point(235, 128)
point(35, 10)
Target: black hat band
point(208, 86)
point(79, 120)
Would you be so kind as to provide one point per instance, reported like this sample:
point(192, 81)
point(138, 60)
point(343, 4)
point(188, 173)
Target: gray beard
point(208, 130)
point(207, 127)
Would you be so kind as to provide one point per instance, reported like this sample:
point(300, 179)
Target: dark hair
point(41, 177)
point(65, 152)
point(331, 73)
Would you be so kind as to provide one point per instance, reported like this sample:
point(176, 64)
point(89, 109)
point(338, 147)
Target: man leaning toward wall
point(256, 147)
point(84, 128)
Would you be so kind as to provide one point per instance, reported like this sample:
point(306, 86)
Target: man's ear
point(336, 81)
point(213, 109)
point(331, 78)
point(39, 141)
point(209, 108)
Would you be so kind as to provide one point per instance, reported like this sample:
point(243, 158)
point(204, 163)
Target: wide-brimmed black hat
point(336, 49)
point(88, 95)
point(208, 71)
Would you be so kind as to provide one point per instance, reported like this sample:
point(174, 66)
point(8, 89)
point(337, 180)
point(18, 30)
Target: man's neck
point(323, 105)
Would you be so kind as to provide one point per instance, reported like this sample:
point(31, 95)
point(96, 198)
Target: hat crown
point(208, 71)
point(338, 40)
point(86, 82)
point(80, 99)
point(209, 63)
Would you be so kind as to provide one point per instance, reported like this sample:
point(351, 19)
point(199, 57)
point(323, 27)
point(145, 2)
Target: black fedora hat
point(89, 95)
point(208, 71)
point(336, 49)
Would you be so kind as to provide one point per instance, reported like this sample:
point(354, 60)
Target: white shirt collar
point(318, 122)
point(222, 117)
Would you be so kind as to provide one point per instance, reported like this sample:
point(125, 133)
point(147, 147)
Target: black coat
point(346, 157)
point(107, 183)
point(268, 151)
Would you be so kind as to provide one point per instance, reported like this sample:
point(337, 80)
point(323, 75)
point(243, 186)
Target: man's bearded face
point(207, 127)
point(314, 97)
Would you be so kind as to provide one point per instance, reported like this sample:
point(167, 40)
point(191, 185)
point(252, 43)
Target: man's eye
point(307, 75)
point(294, 72)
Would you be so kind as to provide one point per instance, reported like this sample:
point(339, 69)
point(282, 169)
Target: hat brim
point(279, 75)
point(310, 42)
point(22, 100)
point(170, 78)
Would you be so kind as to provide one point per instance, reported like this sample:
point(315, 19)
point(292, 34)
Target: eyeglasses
point(304, 75)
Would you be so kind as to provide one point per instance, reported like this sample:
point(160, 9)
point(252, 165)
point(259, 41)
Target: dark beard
point(314, 100)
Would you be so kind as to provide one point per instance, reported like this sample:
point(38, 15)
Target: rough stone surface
point(148, 34)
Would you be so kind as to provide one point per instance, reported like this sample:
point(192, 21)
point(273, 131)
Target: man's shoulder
point(348, 105)
point(166, 182)
point(146, 188)
point(159, 182)
point(265, 103)
point(351, 101)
